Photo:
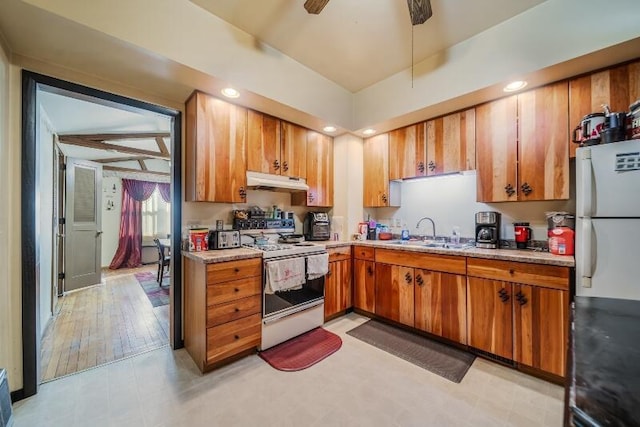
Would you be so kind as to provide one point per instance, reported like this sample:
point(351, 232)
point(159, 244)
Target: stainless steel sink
point(435, 245)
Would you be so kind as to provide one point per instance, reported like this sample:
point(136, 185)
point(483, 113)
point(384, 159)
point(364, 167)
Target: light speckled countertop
point(517, 255)
point(210, 257)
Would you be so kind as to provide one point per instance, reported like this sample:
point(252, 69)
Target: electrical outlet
point(397, 222)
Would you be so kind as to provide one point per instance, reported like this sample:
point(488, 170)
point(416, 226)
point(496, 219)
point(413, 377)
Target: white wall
point(450, 201)
point(45, 181)
point(110, 218)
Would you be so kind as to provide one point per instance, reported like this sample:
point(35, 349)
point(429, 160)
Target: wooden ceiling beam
point(116, 136)
point(122, 159)
point(161, 145)
point(142, 165)
point(128, 170)
point(71, 140)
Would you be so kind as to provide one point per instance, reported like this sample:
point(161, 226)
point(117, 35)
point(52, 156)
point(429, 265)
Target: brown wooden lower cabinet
point(490, 316)
point(394, 293)
point(541, 319)
point(337, 288)
point(441, 304)
point(222, 309)
point(364, 283)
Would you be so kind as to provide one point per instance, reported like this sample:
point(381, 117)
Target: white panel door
point(607, 258)
point(83, 220)
point(603, 191)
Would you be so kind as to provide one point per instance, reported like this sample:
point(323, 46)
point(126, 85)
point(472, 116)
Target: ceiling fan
point(419, 10)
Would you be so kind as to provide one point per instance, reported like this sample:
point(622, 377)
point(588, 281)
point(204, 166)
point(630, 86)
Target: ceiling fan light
point(420, 11)
point(315, 6)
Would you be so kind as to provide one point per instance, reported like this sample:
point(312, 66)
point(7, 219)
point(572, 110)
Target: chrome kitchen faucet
point(433, 224)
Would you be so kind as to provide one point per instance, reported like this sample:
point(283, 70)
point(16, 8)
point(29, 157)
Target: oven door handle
point(298, 309)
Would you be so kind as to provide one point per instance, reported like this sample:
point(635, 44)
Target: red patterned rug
point(302, 351)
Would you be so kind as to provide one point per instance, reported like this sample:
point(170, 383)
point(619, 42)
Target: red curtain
point(129, 253)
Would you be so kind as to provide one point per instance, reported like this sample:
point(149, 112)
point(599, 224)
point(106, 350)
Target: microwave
point(224, 239)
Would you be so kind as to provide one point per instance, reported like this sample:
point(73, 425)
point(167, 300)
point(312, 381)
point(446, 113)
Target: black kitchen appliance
point(224, 239)
point(317, 226)
point(488, 230)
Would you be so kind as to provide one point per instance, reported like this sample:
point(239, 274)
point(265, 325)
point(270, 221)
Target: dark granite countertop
point(605, 372)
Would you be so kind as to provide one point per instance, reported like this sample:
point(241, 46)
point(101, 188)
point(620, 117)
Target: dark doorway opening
point(31, 83)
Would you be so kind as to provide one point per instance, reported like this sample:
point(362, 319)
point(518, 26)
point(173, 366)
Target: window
point(156, 217)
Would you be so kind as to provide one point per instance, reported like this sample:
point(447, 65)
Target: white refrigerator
point(608, 220)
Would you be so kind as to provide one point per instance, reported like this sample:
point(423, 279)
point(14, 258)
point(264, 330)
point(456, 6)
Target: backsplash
point(205, 214)
point(450, 201)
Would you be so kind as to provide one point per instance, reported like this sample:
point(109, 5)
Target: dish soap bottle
point(404, 234)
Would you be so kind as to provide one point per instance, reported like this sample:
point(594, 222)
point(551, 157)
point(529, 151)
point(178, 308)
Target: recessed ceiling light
point(230, 92)
point(329, 128)
point(514, 86)
point(368, 131)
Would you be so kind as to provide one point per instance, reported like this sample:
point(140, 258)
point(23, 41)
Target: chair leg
point(158, 276)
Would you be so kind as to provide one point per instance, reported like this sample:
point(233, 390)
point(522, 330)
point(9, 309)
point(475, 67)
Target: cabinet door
point(496, 150)
point(376, 171)
point(541, 327)
point(263, 143)
point(364, 282)
point(441, 304)
point(451, 143)
point(613, 87)
point(543, 155)
point(293, 151)
point(216, 150)
point(490, 316)
point(394, 293)
point(319, 169)
point(337, 290)
point(408, 147)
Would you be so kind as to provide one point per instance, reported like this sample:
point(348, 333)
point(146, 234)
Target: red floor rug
point(302, 351)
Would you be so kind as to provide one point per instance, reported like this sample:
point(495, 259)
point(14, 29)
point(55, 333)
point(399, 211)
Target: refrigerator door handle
point(584, 263)
point(585, 204)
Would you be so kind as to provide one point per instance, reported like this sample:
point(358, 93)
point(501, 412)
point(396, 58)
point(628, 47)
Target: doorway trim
point(30, 279)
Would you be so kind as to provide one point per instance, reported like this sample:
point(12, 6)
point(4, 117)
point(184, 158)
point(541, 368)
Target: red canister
point(561, 241)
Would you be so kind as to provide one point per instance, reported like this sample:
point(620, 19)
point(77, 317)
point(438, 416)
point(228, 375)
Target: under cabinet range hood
point(265, 181)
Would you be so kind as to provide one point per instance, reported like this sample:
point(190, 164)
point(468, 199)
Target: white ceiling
point(68, 115)
point(356, 43)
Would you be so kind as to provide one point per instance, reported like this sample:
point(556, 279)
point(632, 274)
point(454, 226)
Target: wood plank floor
point(101, 324)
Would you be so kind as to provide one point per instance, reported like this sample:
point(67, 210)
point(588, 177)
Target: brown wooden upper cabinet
point(275, 146)
point(216, 138)
point(521, 146)
point(319, 172)
point(617, 87)
point(263, 141)
point(378, 192)
point(451, 143)
point(409, 152)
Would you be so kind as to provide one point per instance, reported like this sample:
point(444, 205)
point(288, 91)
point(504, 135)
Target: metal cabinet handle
point(421, 167)
point(370, 270)
point(509, 190)
point(526, 188)
point(276, 164)
point(432, 166)
point(285, 166)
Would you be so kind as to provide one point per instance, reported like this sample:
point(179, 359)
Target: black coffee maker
point(488, 230)
point(317, 226)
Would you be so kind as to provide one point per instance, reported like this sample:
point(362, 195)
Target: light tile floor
point(359, 385)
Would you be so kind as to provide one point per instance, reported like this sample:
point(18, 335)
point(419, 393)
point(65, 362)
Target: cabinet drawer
point(226, 271)
point(230, 291)
point(364, 252)
point(234, 310)
point(339, 254)
point(233, 337)
point(445, 263)
point(548, 276)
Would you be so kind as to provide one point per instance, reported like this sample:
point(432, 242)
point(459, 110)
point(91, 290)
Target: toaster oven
point(224, 239)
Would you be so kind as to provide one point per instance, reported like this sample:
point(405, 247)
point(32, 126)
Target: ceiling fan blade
point(315, 6)
point(420, 11)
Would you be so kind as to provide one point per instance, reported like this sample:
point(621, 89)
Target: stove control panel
point(262, 224)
